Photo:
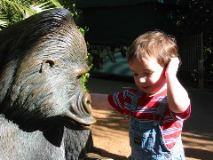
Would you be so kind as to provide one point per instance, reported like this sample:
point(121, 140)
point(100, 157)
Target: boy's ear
point(165, 67)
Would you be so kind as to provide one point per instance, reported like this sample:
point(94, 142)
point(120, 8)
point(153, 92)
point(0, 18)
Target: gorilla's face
point(46, 81)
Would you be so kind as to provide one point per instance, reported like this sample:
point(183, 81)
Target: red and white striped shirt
point(144, 108)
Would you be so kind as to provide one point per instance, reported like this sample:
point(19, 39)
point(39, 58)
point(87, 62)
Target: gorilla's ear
point(45, 65)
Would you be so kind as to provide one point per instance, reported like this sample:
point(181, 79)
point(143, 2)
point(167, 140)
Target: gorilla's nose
point(87, 102)
point(82, 112)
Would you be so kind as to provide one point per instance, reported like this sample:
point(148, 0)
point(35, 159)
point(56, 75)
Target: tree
point(12, 11)
point(195, 17)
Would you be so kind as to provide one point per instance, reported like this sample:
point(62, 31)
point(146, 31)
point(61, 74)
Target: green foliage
point(3, 21)
point(70, 5)
point(12, 11)
point(83, 81)
point(208, 50)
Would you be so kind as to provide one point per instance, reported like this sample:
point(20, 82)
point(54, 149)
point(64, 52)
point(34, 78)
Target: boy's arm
point(100, 101)
point(178, 99)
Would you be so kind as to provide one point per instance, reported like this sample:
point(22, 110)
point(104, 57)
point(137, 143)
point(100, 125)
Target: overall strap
point(161, 109)
point(134, 100)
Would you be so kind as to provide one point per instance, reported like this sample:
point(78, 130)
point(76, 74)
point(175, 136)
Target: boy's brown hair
point(155, 44)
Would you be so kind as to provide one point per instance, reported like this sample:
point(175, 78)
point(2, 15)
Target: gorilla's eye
point(79, 76)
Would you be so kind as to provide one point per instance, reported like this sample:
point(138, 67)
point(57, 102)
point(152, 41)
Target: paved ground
point(110, 133)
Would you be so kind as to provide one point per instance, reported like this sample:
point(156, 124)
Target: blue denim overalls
point(146, 140)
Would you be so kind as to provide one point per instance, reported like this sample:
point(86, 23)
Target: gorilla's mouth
point(82, 112)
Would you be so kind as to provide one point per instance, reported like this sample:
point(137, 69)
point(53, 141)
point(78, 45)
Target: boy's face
point(148, 75)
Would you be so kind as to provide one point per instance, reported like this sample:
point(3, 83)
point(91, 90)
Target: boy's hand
point(177, 96)
point(172, 67)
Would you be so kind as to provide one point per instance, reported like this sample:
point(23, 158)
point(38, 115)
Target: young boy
point(159, 105)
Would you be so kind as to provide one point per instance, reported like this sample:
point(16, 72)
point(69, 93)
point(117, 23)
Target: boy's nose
point(142, 79)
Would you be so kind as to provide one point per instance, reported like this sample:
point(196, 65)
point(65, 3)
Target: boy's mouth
point(145, 87)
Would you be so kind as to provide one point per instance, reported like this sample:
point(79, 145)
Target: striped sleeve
point(184, 115)
point(120, 101)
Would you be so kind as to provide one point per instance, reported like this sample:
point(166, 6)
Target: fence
point(191, 52)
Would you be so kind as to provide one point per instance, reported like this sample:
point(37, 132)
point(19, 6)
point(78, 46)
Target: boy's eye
point(135, 74)
point(148, 73)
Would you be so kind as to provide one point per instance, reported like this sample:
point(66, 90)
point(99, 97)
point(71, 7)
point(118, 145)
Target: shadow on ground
point(109, 155)
point(198, 154)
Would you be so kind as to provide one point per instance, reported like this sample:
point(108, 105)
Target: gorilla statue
point(43, 109)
